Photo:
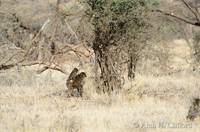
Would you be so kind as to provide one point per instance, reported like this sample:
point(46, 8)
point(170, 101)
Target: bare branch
point(71, 30)
point(46, 67)
point(191, 9)
point(197, 23)
point(14, 55)
point(6, 67)
point(69, 47)
point(52, 68)
point(9, 66)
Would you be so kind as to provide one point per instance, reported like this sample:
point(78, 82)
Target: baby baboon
point(72, 75)
point(194, 110)
point(70, 79)
point(75, 83)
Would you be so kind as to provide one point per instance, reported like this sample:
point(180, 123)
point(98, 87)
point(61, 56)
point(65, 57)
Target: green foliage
point(118, 19)
point(96, 4)
point(117, 24)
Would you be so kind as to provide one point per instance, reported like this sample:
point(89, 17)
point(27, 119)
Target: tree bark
point(110, 79)
point(133, 58)
point(131, 68)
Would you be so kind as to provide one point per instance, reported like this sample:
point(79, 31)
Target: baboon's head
point(83, 75)
point(196, 102)
point(75, 70)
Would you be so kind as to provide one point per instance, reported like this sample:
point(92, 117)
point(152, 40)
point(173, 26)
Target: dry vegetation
point(158, 99)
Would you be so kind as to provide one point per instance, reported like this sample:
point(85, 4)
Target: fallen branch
point(46, 67)
point(6, 67)
point(9, 66)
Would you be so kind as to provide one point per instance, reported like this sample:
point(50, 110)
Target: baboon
point(70, 80)
point(78, 83)
point(194, 110)
point(75, 83)
point(72, 75)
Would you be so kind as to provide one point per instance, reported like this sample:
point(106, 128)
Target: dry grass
point(149, 103)
point(26, 104)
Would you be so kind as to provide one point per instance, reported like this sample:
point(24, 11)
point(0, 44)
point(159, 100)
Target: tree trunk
point(132, 65)
point(111, 81)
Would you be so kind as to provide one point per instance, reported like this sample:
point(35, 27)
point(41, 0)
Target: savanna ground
point(152, 102)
